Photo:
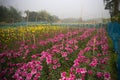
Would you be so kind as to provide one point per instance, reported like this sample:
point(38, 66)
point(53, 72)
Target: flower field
point(54, 53)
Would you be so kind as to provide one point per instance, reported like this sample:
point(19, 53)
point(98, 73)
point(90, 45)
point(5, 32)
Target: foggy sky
point(62, 8)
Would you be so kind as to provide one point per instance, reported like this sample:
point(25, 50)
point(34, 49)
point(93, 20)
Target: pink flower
point(81, 52)
point(54, 67)
point(94, 62)
point(72, 76)
point(29, 76)
point(55, 61)
point(26, 46)
point(49, 61)
point(37, 75)
point(103, 61)
point(99, 54)
point(35, 78)
point(26, 52)
point(99, 74)
point(2, 60)
point(66, 58)
point(56, 50)
point(33, 46)
point(24, 74)
point(81, 70)
point(87, 49)
point(69, 49)
point(58, 65)
point(63, 74)
point(40, 67)
point(64, 54)
point(43, 43)
point(107, 76)
point(72, 69)
point(33, 71)
point(33, 56)
point(76, 64)
point(76, 47)
point(90, 72)
point(16, 76)
point(44, 54)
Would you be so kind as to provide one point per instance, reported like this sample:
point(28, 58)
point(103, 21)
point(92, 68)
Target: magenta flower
point(99, 74)
point(40, 67)
point(94, 62)
point(76, 64)
point(48, 60)
point(33, 56)
point(58, 65)
point(107, 76)
point(66, 58)
point(72, 76)
point(81, 52)
point(34, 71)
point(72, 69)
point(33, 46)
point(29, 76)
point(75, 47)
point(16, 76)
point(64, 54)
point(55, 61)
point(37, 75)
point(54, 66)
point(81, 70)
point(43, 43)
point(87, 49)
point(63, 74)
point(90, 72)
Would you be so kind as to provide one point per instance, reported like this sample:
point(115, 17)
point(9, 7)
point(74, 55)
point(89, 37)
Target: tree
point(32, 16)
point(14, 15)
point(3, 13)
point(43, 16)
point(53, 18)
point(112, 6)
point(9, 15)
point(27, 15)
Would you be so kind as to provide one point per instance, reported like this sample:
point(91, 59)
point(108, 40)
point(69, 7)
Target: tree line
point(12, 15)
point(41, 16)
point(9, 14)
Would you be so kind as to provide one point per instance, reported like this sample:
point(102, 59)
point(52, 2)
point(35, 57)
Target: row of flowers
point(11, 59)
point(67, 47)
point(84, 59)
point(93, 67)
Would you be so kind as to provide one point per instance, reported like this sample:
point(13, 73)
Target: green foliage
point(9, 15)
point(40, 16)
point(116, 18)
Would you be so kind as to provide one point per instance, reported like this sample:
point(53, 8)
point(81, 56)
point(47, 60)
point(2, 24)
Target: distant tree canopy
point(40, 16)
point(113, 7)
point(9, 15)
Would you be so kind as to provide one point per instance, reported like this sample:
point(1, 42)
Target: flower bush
point(69, 54)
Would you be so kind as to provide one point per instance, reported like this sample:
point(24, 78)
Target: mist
point(86, 9)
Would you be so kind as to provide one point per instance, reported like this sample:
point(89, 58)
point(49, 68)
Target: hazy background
point(86, 9)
